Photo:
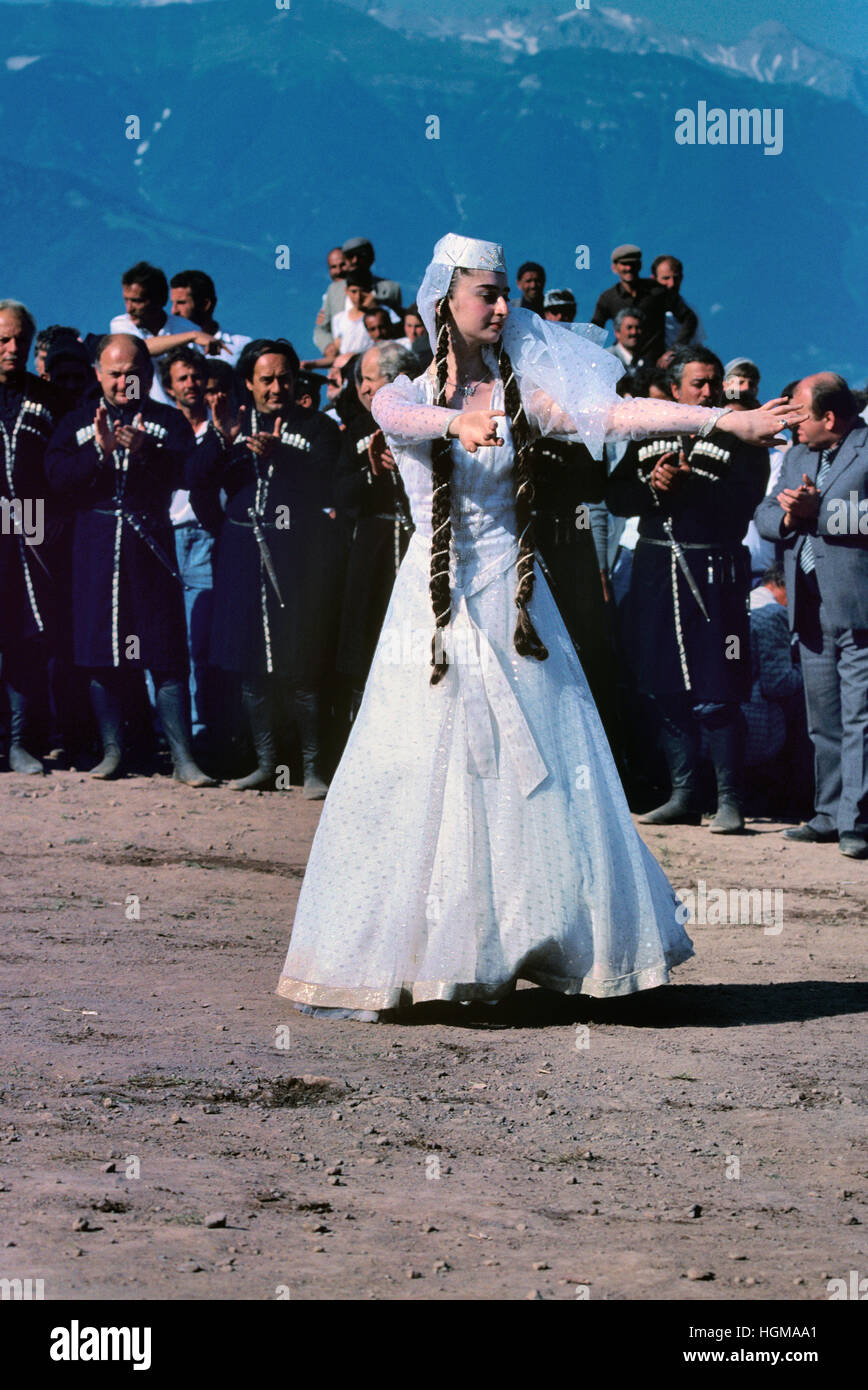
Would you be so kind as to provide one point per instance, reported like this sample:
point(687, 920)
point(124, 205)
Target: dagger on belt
point(265, 554)
point(685, 569)
point(137, 525)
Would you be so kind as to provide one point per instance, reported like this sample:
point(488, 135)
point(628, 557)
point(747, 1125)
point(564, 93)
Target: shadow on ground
point(672, 1006)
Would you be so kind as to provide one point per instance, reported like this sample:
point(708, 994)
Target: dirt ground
point(696, 1142)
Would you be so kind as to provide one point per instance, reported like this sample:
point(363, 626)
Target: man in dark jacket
point(689, 590)
point(279, 563)
point(118, 465)
point(29, 409)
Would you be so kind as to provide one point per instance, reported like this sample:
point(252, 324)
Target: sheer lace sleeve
point(403, 415)
point(618, 419)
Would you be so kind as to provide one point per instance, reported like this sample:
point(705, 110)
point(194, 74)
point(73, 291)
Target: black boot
point(726, 740)
point(106, 704)
point(256, 700)
point(172, 696)
point(19, 758)
point(679, 744)
point(307, 717)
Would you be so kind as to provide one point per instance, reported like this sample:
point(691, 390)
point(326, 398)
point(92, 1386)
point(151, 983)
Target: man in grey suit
point(820, 515)
point(358, 254)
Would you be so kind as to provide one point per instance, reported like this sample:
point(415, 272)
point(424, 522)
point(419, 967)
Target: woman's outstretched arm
point(638, 417)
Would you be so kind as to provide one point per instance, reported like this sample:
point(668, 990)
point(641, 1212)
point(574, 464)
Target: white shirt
point(235, 341)
point(122, 323)
point(630, 534)
point(353, 335)
point(626, 356)
point(762, 552)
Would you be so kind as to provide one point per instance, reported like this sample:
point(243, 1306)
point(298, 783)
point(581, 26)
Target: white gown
point(475, 832)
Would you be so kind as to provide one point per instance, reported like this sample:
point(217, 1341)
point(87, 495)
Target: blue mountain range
point(211, 134)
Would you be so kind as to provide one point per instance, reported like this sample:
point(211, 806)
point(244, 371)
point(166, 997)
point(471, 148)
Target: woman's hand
point(761, 426)
point(477, 429)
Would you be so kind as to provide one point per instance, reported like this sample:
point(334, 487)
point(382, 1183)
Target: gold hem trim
point(450, 991)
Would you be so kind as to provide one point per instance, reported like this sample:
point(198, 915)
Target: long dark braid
point(525, 638)
point(441, 507)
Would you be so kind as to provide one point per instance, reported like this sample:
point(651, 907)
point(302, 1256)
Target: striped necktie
point(807, 557)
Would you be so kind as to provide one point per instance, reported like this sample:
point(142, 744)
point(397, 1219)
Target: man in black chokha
point(29, 410)
point(689, 591)
point(280, 560)
point(117, 462)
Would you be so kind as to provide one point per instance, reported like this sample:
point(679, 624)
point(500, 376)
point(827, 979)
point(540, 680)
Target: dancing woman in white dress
point(476, 832)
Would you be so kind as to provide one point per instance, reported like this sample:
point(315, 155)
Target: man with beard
point(279, 562)
point(119, 465)
point(28, 413)
point(689, 590)
point(369, 492)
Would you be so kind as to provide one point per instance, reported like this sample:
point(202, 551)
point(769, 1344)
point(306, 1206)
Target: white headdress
point(565, 361)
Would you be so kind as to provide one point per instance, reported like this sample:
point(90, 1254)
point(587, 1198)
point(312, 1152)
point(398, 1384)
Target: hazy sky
point(838, 25)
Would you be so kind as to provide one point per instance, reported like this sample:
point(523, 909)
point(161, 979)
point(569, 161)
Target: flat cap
point(358, 243)
point(627, 252)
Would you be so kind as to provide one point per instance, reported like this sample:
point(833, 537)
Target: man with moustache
point(628, 331)
point(279, 567)
point(118, 464)
point(689, 590)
